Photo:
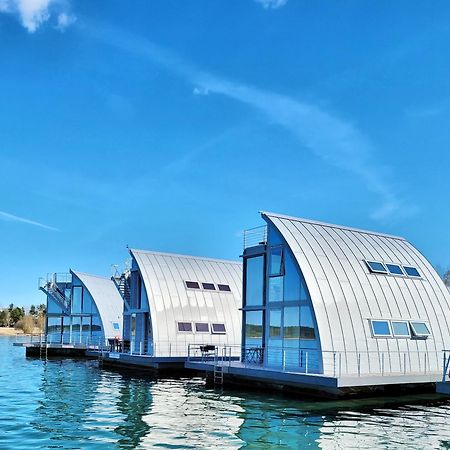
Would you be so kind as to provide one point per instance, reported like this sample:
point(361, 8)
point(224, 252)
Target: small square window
point(400, 329)
point(201, 327)
point(376, 267)
point(116, 326)
point(394, 269)
point(185, 327)
point(192, 285)
point(209, 286)
point(218, 328)
point(224, 287)
point(381, 328)
point(411, 271)
point(420, 329)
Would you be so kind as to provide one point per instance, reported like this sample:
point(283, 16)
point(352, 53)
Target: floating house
point(82, 310)
point(172, 302)
point(331, 308)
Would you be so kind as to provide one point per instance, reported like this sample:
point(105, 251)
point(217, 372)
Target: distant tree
point(42, 308)
point(26, 324)
point(446, 278)
point(33, 311)
point(11, 307)
point(15, 315)
point(4, 318)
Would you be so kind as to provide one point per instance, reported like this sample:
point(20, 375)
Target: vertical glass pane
point(291, 341)
point(77, 295)
point(276, 289)
point(275, 323)
point(76, 329)
point(292, 282)
point(253, 328)
point(254, 281)
point(276, 261)
point(87, 303)
point(306, 323)
point(66, 330)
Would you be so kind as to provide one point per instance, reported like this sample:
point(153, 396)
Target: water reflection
point(73, 404)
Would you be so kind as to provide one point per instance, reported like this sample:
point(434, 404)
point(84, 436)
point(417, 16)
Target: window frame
point(221, 285)
point(411, 267)
point(371, 270)
point(376, 335)
point(211, 286)
point(399, 336)
point(213, 331)
point(269, 265)
point(402, 274)
point(419, 335)
point(193, 282)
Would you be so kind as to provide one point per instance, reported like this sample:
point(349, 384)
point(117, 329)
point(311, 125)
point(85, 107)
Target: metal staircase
point(122, 282)
point(51, 287)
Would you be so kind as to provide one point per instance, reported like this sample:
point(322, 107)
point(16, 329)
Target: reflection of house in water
point(332, 308)
point(82, 309)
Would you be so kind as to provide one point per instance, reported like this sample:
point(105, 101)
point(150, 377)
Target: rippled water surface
point(74, 405)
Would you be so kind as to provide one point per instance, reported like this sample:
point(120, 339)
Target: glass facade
point(280, 318)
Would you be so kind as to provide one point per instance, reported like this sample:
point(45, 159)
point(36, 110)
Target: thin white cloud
point(337, 141)
point(200, 91)
point(271, 4)
point(13, 218)
point(34, 13)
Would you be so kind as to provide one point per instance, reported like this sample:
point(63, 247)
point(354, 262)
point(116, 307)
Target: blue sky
point(168, 125)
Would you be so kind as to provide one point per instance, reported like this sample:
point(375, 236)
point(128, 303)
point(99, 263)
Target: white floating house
point(172, 301)
point(337, 307)
point(82, 309)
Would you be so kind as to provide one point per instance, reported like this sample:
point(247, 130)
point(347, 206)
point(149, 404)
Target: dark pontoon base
point(35, 352)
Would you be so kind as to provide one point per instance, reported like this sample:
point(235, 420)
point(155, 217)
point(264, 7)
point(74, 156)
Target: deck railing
point(328, 363)
point(255, 236)
point(446, 366)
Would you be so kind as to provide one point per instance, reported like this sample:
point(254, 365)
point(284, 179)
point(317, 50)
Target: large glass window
point(291, 323)
point(292, 280)
point(275, 289)
point(253, 328)
point(275, 323)
point(306, 323)
point(77, 299)
point(254, 281)
point(276, 261)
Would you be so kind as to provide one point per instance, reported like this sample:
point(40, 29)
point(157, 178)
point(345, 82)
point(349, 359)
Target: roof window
point(201, 327)
point(192, 285)
point(209, 286)
point(218, 328)
point(224, 287)
point(185, 327)
point(411, 271)
point(376, 267)
point(420, 329)
point(394, 269)
point(400, 328)
point(381, 328)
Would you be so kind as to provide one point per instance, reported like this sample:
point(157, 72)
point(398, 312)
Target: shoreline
point(8, 331)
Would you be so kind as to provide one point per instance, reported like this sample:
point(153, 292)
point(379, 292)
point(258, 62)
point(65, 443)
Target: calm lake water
point(74, 405)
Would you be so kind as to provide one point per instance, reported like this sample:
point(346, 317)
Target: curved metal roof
point(345, 294)
point(164, 276)
point(107, 299)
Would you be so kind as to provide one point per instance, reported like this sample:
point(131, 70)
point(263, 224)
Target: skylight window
point(411, 271)
point(116, 326)
point(192, 285)
point(201, 327)
point(394, 269)
point(209, 286)
point(224, 287)
point(376, 267)
point(420, 329)
point(400, 328)
point(218, 328)
point(185, 327)
point(381, 328)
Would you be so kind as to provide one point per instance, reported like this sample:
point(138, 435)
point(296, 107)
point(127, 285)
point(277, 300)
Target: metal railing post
point(382, 364)
point(359, 364)
point(306, 359)
point(334, 364)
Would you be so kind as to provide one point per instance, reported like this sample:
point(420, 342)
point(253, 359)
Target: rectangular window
point(254, 277)
point(381, 328)
point(306, 323)
point(400, 329)
point(253, 328)
point(275, 289)
point(276, 262)
point(376, 267)
point(218, 328)
point(116, 326)
point(209, 286)
point(420, 329)
point(291, 323)
point(185, 327)
point(275, 323)
point(201, 327)
point(77, 299)
point(394, 269)
point(224, 287)
point(411, 271)
point(192, 285)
